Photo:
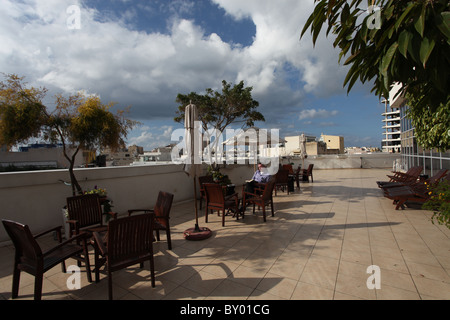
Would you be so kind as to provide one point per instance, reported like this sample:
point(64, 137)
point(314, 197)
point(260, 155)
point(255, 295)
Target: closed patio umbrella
point(193, 165)
point(303, 154)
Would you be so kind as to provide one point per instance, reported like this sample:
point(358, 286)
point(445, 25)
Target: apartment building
point(412, 153)
point(391, 141)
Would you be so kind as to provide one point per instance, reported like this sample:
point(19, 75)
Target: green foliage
point(432, 128)
point(219, 109)
point(21, 111)
point(411, 46)
point(439, 202)
point(78, 122)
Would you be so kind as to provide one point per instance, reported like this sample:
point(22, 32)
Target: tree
point(78, 122)
point(406, 41)
point(218, 110)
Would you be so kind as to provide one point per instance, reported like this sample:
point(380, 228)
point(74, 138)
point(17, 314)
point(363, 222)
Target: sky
point(142, 54)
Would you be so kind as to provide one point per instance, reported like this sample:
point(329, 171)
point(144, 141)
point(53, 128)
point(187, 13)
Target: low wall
point(354, 161)
point(36, 198)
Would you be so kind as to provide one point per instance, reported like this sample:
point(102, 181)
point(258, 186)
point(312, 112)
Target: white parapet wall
point(36, 198)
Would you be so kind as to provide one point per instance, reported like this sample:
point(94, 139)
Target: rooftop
point(319, 246)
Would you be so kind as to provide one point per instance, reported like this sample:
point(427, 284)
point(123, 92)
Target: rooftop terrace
point(318, 246)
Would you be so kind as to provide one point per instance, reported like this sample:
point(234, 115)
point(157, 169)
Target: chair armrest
point(131, 211)
point(99, 240)
point(112, 214)
point(57, 229)
point(81, 236)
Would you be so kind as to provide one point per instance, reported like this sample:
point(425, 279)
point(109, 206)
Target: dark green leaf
point(403, 16)
point(387, 58)
point(403, 42)
point(426, 48)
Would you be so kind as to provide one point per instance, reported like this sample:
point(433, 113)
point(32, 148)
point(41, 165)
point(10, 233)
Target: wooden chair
point(306, 173)
point(414, 193)
point(261, 197)
point(162, 215)
point(289, 168)
point(411, 182)
point(202, 180)
point(216, 200)
point(408, 193)
point(407, 177)
point(297, 176)
point(30, 258)
point(281, 181)
point(85, 214)
point(129, 241)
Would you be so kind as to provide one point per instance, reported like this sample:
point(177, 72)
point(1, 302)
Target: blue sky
point(143, 53)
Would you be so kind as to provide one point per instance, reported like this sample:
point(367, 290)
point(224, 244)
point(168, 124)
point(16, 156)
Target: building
point(391, 141)
point(334, 144)
point(40, 156)
point(122, 157)
point(157, 154)
point(325, 145)
point(411, 153)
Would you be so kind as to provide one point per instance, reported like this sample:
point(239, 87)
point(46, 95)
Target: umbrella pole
point(196, 233)
point(197, 229)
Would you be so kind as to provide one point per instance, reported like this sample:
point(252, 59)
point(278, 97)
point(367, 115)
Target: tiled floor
point(319, 245)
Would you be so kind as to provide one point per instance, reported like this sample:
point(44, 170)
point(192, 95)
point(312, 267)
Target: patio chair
point(129, 241)
point(261, 197)
point(430, 181)
point(414, 193)
point(216, 200)
point(30, 257)
point(407, 177)
point(297, 176)
point(306, 173)
point(202, 180)
point(281, 181)
point(162, 215)
point(85, 214)
point(289, 168)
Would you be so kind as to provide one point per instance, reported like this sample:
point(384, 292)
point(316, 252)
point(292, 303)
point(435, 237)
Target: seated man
point(260, 176)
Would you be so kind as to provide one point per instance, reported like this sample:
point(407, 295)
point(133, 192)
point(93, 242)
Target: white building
point(391, 124)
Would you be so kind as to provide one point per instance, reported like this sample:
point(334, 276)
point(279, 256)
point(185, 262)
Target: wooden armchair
point(129, 241)
point(262, 197)
point(162, 215)
point(306, 173)
point(202, 180)
point(282, 180)
point(216, 200)
point(289, 168)
point(85, 214)
point(30, 258)
point(297, 176)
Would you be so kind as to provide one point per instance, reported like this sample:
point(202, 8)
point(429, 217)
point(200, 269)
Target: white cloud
point(148, 70)
point(315, 114)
